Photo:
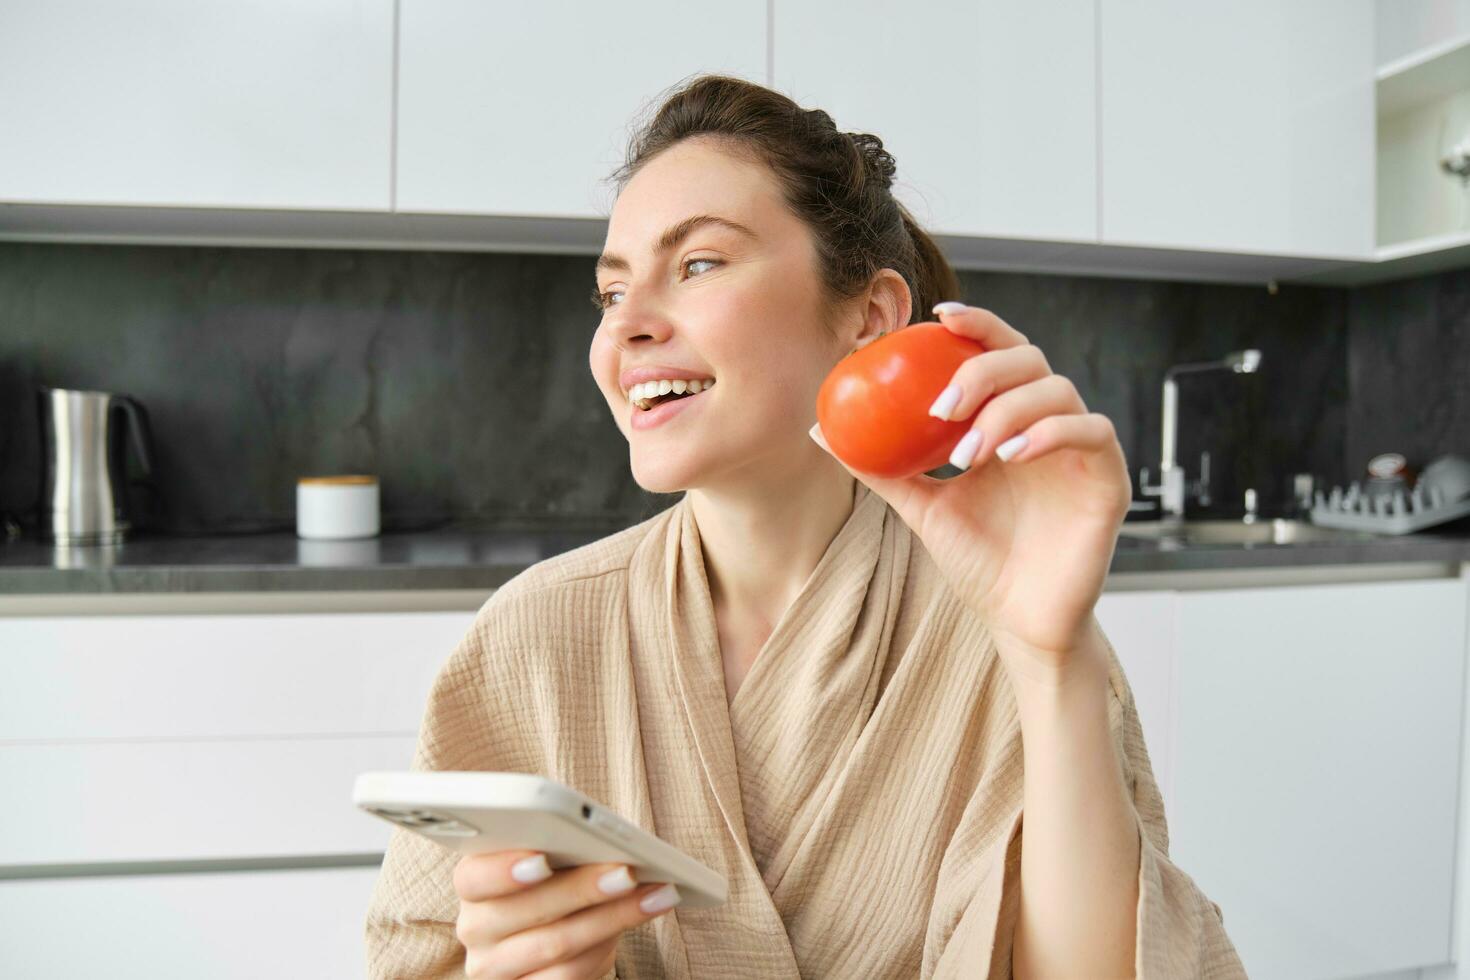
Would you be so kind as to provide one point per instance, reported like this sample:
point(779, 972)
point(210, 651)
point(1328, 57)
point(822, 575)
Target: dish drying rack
point(1386, 513)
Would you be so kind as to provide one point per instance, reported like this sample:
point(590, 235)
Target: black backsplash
point(1409, 373)
point(461, 379)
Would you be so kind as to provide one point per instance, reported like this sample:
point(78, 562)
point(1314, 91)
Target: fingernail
point(616, 882)
point(531, 869)
point(965, 451)
point(949, 307)
point(816, 433)
point(945, 403)
point(1011, 446)
point(665, 898)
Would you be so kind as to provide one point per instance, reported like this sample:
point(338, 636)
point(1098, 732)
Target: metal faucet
point(1172, 486)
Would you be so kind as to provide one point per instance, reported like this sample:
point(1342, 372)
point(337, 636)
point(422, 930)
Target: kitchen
point(294, 376)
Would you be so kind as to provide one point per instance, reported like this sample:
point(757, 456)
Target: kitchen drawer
point(198, 676)
point(229, 926)
point(174, 800)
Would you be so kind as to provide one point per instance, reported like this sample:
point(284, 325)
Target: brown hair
point(838, 183)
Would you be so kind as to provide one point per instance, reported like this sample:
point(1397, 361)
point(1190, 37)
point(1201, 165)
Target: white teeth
point(641, 393)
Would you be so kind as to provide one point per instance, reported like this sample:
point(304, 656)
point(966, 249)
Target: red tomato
point(874, 405)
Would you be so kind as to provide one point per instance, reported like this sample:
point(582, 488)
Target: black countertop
point(486, 559)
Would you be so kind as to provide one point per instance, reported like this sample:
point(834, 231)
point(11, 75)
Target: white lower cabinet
point(161, 801)
point(1306, 738)
point(243, 925)
point(1140, 626)
point(1309, 737)
point(187, 787)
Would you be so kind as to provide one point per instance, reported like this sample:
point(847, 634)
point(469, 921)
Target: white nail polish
point(1011, 446)
point(616, 882)
point(949, 307)
point(531, 869)
point(945, 403)
point(965, 451)
point(665, 898)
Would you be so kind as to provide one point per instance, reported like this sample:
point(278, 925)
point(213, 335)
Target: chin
point(661, 476)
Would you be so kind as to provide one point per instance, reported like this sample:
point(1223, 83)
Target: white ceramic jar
point(335, 507)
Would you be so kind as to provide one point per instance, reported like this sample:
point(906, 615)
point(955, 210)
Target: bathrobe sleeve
point(473, 721)
point(1180, 931)
point(412, 913)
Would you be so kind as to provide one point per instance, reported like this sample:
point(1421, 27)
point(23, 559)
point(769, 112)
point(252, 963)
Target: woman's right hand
point(518, 918)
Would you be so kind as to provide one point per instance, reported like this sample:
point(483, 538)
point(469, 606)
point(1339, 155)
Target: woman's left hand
point(1024, 540)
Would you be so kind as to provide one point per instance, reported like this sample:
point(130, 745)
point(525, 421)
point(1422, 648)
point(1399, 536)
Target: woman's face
point(740, 307)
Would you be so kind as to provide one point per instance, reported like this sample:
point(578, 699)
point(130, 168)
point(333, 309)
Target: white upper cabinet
point(1244, 126)
point(526, 108)
point(987, 107)
point(204, 103)
point(1408, 27)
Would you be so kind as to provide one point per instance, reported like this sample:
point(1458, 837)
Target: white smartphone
point(475, 812)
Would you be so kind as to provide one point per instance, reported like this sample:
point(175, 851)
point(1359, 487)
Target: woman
point(817, 682)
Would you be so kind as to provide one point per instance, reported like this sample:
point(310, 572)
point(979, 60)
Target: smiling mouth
point(653, 401)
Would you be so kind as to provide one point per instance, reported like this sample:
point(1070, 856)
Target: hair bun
point(877, 160)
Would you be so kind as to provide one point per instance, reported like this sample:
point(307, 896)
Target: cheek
point(602, 360)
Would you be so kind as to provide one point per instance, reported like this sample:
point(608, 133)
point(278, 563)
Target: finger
point(979, 324)
point(1090, 431)
point(987, 374)
point(593, 962)
point(481, 876)
point(565, 892)
point(1003, 419)
point(543, 946)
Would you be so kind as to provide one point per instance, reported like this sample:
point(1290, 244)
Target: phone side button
point(611, 826)
point(450, 828)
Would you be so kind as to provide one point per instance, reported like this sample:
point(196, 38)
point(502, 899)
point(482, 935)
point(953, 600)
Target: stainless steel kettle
point(84, 463)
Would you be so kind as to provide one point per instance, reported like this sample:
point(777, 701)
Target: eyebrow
point(672, 236)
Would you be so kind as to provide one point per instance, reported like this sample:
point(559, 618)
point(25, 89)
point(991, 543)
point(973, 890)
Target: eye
point(600, 298)
point(603, 299)
point(701, 262)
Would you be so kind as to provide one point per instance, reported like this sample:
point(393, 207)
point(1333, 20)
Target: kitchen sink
point(1236, 532)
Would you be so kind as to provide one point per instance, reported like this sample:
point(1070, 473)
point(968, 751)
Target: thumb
point(908, 496)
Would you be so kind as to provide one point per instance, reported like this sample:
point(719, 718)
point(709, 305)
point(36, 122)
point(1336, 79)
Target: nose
point(637, 320)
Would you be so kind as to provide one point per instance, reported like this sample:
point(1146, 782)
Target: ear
point(887, 307)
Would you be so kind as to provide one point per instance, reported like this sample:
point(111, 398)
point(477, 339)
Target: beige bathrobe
point(862, 794)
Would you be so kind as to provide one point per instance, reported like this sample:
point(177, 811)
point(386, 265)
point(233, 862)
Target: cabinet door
point(1238, 126)
point(152, 802)
point(269, 104)
point(1140, 626)
point(1317, 764)
point(988, 107)
point(89, 678)
point(187, 737)
point(225, 926)
point(526, 108)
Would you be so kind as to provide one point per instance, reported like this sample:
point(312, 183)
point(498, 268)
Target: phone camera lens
point(586, 812)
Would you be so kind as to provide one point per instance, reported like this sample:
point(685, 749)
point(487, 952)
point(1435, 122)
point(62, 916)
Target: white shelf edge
point(1423, 76)
point(1423, 56)
point(1400, 260)
point(1421, 246)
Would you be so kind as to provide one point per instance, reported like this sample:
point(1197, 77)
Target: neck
point(760, 549)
